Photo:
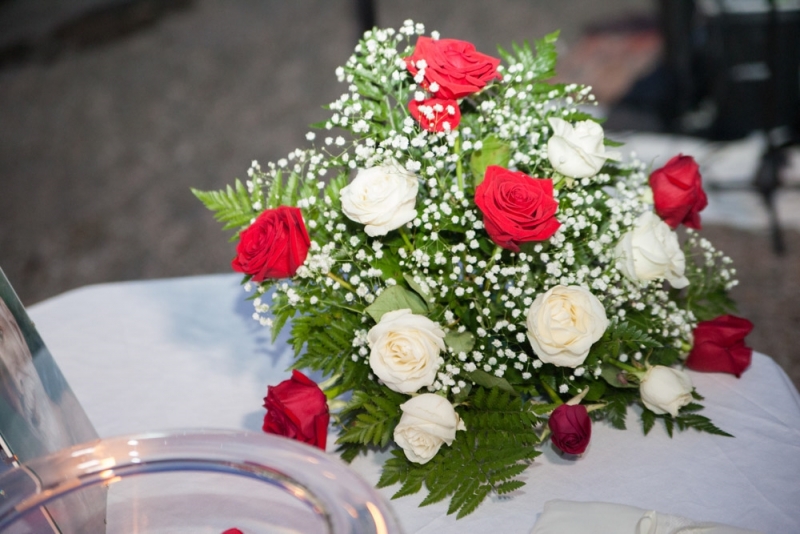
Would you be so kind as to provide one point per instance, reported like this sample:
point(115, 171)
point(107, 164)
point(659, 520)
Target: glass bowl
point(199, 481)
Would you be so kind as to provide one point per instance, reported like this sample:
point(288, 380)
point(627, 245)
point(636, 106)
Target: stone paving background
point(106, 121)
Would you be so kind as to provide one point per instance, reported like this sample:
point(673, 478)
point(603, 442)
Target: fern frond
point(231, 206)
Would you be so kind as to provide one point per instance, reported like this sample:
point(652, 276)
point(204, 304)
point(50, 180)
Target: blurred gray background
point(110, 110)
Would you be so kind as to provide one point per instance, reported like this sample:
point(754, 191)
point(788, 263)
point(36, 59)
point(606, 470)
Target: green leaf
point(493, 152)
point(231, 206)
point(614, 376)
point(440, 487)
point(648, 420)
point(621, 337)
point(699, 422)
point(482, 378)
point(596, 390)
point(348, 451)
point(472, 501)
point(428, 296)
point(275, 191)
point(462, 395)
point(546, 56)
point(459, 341)
point(669, 423)
point(370, 417)
point(289, 197)
point(395, 469)
point(509, 486)
point(396, 298)
point(691, 407)
point(616, 408)
point(666, 356)
point(489, 458)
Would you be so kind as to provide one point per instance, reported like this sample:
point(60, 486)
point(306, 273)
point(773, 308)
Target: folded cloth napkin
point(570, 517)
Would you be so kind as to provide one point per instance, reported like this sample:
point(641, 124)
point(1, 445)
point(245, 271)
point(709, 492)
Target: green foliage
point(615, 410)
point(700, 423)
point(666, 356)
point(707, 294)
point(596, 391)
point(499, 443)
point(324, 342)
point(542, 64)
point(648, 420)
point(623, 336)
point(616, 377)
point(459, 341)
point(396, 298)
point(709, 304)
point(231, 206)
point(369, 419)
point(493, 152)
point(422, 292)
point(686, 419)
point(482, 378)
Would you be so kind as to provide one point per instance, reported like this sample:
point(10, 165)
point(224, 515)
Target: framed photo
point(40, 415)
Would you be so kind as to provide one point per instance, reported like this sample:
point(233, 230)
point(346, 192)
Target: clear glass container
point(195, 481)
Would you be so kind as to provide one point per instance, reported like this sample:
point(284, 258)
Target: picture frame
point(40, 415)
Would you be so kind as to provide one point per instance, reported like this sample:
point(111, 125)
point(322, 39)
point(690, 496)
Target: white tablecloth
point(179, 353)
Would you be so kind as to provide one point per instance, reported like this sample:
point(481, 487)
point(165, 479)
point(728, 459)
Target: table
point(183, 353)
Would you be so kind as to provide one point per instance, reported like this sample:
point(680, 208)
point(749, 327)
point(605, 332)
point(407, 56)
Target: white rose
point(405, 350)
point(650, 251)
point(665, 389)
point(577, 151)
point(383, 198)
point(563, 323)
point(427, 422)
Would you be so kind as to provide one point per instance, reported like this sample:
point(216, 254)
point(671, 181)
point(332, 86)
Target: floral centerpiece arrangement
point(463, 256)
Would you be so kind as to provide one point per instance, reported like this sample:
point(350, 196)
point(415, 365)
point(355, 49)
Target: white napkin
point(570, 517)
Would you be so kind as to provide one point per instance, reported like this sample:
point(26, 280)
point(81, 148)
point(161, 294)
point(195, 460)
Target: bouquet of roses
point(474, 270)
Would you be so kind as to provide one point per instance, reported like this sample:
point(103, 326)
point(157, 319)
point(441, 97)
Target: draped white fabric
point(184, 352)
point(569, 517)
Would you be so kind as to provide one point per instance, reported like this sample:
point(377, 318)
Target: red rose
point(678, 192)
point(274, 246)
point(233, 531)
point(297, 409)
point(516, 208)
point(719, 346)
point(571, 428)
point(434, 112)
point(457, 68)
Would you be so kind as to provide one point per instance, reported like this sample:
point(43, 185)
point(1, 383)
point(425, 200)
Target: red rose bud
point(719, 346)
point(274, 246)
point(297, 408)
point(571, 428)
point(233, 531)
point(678, 192)
point(436, 114)
point(455, 66)
point(516, 208)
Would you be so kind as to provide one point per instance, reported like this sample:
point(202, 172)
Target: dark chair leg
point(365, 11)
point(767, 182)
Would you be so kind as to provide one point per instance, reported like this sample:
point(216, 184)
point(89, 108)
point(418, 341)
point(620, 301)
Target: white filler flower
point(665, 389)
point(405, 350)
point(382, 198)
point(577, 151)
point(650, 251)
point(428, 421)
point(563, 323)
